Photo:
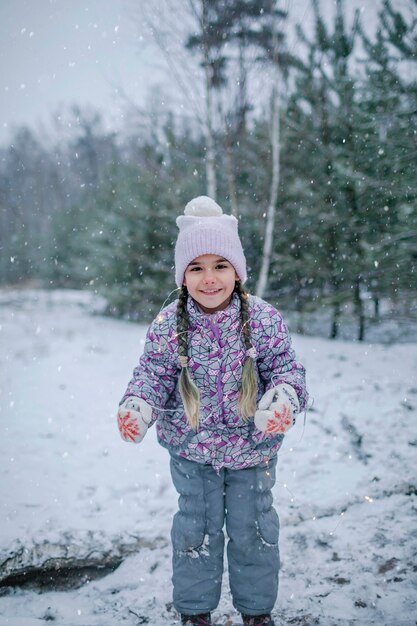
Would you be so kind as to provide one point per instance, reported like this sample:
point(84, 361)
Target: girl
point(219, 378)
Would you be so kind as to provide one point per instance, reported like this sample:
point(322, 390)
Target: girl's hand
point(133, 419)
point(277, 410)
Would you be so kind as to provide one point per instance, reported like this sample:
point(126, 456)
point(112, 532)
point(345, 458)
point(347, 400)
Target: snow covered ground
point(73, 494)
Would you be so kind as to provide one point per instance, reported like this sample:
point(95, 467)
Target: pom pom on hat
point(205, 229)
point(202, 206)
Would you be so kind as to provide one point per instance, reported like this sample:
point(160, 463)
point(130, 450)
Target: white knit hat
point(205, 229)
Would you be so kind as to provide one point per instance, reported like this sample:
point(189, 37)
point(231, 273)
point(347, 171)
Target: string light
point(338, 524)
point(168, 297)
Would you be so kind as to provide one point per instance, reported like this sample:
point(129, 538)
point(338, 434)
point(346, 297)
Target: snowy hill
point(85, 517)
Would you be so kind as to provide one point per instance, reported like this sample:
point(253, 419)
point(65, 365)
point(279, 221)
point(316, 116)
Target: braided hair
point(188, 389)
point(247, 395)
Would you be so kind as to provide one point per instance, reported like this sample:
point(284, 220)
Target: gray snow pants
point(243, 499)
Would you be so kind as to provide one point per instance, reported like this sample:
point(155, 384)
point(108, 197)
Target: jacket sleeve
point(276, 361)
point(155, 377)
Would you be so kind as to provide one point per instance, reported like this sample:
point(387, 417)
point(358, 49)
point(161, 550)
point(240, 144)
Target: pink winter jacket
point(216, 354)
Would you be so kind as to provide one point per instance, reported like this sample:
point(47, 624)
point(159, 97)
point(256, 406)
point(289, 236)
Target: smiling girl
point(210, 280)
point(219, 377)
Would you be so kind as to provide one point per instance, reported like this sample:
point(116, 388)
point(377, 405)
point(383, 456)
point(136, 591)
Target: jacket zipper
point(216, 332)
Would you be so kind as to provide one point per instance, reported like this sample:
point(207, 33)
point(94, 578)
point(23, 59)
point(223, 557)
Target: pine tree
point(389, 113)
point(133, 233)
point(325, 106)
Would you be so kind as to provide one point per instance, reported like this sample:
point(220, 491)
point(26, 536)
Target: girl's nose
point(208, 277)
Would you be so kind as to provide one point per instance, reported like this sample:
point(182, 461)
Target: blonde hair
point(188, 389)
point(249, 387)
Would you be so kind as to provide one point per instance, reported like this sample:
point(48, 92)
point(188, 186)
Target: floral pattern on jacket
point(216, 354)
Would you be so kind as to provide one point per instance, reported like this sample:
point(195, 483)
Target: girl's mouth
point(210, 292)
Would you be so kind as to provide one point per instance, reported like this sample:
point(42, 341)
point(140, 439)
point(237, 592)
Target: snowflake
point(128, 426)
point(281, 421)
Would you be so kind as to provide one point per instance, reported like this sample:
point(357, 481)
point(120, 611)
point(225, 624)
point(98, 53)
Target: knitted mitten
point(277, 410)
point(133, 419)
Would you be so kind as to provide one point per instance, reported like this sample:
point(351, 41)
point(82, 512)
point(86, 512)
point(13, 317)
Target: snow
point(72, 492)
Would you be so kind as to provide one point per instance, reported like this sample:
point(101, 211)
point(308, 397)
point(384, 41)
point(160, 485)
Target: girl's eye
point(194, 269)
point(221, 266)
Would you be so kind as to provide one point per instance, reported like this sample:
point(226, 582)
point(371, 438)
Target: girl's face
point(210, 280)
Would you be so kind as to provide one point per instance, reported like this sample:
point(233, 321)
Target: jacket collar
point(232, 311)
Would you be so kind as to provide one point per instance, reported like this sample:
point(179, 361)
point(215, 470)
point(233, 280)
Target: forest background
point(312, 147)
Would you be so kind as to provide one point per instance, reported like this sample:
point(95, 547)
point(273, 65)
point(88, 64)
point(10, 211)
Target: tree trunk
point(231, 180)
point(270, 217)
point(334, 277)
point(335, 321)
point(359, 309)
point(376, 307)
point(210, 149)
point(300, 312)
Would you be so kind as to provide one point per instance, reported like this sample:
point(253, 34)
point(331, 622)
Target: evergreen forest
point(311, 145)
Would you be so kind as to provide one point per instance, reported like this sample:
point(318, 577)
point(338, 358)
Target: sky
point(55, 52)
point(62, 52)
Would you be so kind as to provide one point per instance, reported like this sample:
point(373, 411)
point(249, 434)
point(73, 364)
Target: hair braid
point(189, 391)
point(248, 390)
point(182, 322)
